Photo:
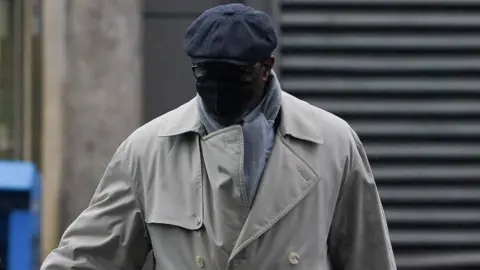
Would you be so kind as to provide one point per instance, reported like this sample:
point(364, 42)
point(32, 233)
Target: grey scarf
point(258, 133)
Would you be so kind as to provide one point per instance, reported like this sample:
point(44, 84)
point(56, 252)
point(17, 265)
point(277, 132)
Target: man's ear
point(268, 65)
point(270, 62)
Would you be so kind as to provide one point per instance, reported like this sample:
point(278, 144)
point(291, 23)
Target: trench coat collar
point(296, 120)
point(184, 119)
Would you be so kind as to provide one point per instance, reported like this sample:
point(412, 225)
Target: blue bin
point(20, 193)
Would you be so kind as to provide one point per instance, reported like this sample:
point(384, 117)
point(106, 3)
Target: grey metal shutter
point(406, 75)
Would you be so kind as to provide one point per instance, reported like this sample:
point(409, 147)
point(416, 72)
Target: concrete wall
point(92, 94)
point(103, 91)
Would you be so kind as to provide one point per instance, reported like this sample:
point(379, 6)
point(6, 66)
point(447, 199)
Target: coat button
point(294, 258)
point(200, 262)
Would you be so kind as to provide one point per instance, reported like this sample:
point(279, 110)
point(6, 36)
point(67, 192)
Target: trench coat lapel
point(287, 179)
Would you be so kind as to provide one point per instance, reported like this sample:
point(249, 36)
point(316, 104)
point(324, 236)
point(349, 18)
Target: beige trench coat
point(317, 206)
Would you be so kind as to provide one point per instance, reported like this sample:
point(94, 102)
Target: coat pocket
point(183, 220)
point(174, 219)
point(178, 203)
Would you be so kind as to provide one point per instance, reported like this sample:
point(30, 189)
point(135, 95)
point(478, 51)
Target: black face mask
point(226, 100)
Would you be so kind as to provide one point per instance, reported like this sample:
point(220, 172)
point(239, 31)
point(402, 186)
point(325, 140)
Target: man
point(244, 176)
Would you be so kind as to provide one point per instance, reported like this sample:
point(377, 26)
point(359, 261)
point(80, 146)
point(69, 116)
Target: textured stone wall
point(102, 93)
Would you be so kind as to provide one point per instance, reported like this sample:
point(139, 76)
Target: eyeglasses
point(225, 71)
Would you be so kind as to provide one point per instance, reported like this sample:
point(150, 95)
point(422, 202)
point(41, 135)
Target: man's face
point(230, 91)
point(263, 69)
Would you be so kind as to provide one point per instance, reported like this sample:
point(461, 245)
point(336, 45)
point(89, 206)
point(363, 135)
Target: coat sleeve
point(110, 233)
point(359, 237)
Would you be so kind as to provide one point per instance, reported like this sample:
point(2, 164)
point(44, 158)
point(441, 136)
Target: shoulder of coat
point(331, 125)
point(148, 137)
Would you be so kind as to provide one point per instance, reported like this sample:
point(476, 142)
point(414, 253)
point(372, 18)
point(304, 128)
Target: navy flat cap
point(234, 33)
